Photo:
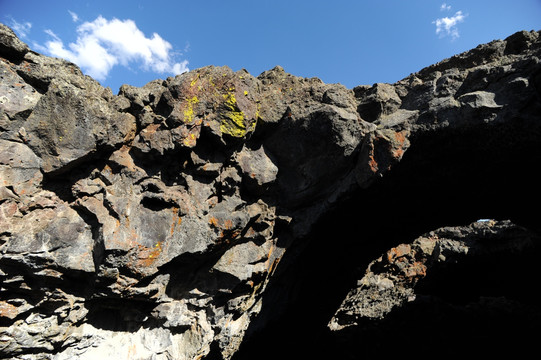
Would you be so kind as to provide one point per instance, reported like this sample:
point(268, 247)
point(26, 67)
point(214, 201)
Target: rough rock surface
point(390, 280)
point(184, 219)
point(468, 290)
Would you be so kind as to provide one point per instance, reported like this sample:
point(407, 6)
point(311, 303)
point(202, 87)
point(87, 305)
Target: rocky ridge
point(164, 222)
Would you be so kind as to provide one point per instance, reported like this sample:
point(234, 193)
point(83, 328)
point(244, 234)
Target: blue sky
point(340, 41)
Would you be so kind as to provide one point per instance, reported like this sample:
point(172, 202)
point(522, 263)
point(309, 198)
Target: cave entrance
point(450, 178)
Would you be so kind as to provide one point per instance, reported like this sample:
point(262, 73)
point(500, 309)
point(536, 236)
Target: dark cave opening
point(445, 179)
point(120, 314)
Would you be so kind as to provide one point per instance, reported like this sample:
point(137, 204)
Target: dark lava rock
point(221, 215)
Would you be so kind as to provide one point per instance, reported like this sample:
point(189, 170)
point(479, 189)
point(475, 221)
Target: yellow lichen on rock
point(189, 112)
point(233, 122)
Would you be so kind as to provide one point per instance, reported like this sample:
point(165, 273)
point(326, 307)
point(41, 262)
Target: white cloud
point(102, 44)
point(445, 7)
point(21, 29)
point(74, 16)
point(447, 26)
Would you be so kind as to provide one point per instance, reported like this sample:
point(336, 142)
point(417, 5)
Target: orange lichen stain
point(373, 163)
point(268, 264)
point(8, 311)
point(399, 251)
point(214, 222)
point(271, 250)
point(374, 167)
point(400, 137)
point(417, 269)
point(228, 224)
point(273, 266)
point(177, 220)
point(226, 236)
point(148, 255)
point(400, 140)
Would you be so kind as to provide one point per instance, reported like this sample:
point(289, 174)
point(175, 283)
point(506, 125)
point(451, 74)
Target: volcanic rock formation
point(220, 215)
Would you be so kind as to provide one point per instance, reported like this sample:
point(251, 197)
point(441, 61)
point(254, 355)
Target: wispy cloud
point(21, 29)
point(448, 26)
point(74, 16)
point(103, 44)
point(445, 7)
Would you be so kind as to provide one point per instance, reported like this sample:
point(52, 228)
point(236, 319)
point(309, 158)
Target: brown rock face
point(217, 211)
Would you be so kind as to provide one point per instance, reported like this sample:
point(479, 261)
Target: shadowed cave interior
point(484, 307)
